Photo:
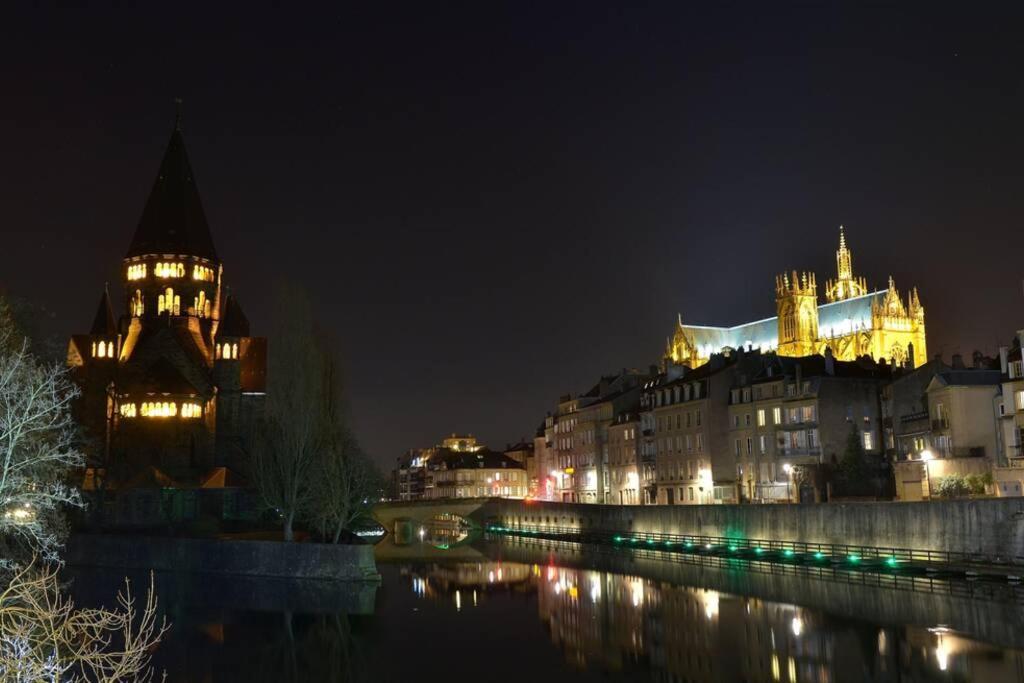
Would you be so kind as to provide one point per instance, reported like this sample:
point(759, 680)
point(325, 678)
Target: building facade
point(853, 322)
point(580, 437)
point(175, 380)
point(459, 467)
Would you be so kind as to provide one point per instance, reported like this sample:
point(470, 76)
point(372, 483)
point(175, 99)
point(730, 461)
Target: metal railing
point(850, 556)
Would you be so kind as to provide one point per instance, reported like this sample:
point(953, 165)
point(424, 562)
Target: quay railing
point(848, 556)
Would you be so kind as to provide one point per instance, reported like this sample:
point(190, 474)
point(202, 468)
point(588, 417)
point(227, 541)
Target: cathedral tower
point(845, 286)
point(796, 302)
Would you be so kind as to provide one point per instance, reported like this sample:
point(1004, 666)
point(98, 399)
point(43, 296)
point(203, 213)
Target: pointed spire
point(233, 323)
point(173, 221)
point(842, 239)
point(103, 324)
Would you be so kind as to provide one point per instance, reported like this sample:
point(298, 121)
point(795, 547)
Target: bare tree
point(44, 637)
point(37, 434)
point(345, 483)
point(296, 426)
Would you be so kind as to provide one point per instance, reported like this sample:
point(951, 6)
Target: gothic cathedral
point(172, 383)
point(853, 323)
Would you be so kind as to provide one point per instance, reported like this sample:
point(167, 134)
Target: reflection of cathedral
point(854, 322)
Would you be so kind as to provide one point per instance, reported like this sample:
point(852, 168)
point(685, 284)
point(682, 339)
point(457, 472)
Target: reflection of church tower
point(796, 301)
point(845, 286)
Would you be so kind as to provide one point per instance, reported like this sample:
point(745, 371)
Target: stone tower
point(796, 302)
point(158, 372)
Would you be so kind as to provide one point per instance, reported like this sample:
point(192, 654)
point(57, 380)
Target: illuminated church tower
point(854, 322)
point(161, 388)
point(796, 302)
point(845, 286)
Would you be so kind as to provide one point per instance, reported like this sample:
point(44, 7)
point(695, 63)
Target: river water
point(518, 610)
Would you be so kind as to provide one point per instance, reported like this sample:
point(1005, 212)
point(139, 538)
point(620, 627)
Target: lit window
point(869, 441)
point(110, 349)
point(777, 415)
point(94, 349)
point(234, 351)
point(761, 417)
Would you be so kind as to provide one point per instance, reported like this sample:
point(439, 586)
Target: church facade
point(853, 322)
point(172, 382)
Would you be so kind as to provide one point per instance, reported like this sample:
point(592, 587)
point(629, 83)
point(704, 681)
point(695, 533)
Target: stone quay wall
point(227, 557)
point(990, 529)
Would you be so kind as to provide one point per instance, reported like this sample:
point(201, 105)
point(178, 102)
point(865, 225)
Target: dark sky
point(492, 205)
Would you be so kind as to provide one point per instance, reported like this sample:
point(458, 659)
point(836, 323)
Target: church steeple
point(103, 322)
point(173, 221)
point(845, 286)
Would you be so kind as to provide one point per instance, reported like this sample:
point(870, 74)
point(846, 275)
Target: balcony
point(940, 424)
point(807, 452)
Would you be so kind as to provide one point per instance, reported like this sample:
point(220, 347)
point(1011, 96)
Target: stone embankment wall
point(988, 528)
point(241, 558)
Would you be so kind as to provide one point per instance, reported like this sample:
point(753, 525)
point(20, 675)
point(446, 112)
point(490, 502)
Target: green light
point(618, 539)
point(892, 562)
point(853, 558)
point(668, 543)
point(689, 544)
point(758, 550)
point(732, 548)
point(633, 540)
point(787, 553)
point(650, 541)
point(819, 555)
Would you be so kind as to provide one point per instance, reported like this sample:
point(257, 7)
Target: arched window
point(177, 305)
point(94, 349)
point(110, 349)
point(234, 351)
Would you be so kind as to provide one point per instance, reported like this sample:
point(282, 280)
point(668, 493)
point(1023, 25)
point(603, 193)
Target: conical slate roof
point(233, 323)
point(173, 221)
point(103, 323)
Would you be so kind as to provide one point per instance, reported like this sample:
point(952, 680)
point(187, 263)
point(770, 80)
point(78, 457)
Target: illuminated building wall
point(852, 323)
point(176, 378)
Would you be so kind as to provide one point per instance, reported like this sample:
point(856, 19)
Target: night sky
point(492, 206)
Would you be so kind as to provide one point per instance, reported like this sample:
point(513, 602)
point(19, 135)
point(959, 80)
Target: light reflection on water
point(554, 617)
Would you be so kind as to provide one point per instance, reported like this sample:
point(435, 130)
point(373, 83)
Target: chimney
point(1020, 337)
point(976, 359)
point(958, 361)
point(830, 361)
point(1004, 354)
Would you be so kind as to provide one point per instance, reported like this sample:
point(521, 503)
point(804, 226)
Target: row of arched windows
point(161, 409)
point(227, 351)
point(137, 271)
point(162, 269)
point(202, 273)
point(169, 302)
point(201, 305)
point(103, 349)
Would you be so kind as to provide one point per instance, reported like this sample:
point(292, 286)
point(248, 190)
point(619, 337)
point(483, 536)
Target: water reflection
point(570, 615)
point(621, 624)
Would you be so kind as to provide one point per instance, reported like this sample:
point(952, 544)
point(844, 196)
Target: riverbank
point(224, 557)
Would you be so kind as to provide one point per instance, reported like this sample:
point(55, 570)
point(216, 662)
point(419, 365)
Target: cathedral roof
point(233, 323)
point(103, 323)
point(837, 318)
point(173, 221)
